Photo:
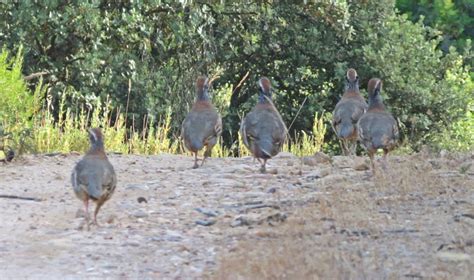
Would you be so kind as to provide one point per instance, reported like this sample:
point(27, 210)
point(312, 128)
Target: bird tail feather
point(265, 147)
point(196, 145)
point(345, 130)
point(94, 188)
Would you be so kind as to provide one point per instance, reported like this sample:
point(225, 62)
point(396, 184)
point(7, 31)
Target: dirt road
point(311, 218)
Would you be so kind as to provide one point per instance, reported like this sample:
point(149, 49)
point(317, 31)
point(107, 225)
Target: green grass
point(68, 133)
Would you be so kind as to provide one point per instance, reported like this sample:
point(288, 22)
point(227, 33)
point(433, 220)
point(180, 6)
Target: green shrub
point(17, 103)
point(459, 136)
point(426, 90)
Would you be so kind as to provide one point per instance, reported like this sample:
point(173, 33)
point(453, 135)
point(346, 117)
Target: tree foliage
point(454, 18)
point(145, 56)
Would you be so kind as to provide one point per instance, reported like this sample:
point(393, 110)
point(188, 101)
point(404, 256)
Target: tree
point(146, 56)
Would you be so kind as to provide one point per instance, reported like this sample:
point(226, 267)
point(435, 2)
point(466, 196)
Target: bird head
point(96, 138)
point(265, 88)
point(202, 87)
point(374, 87)
point(352, 80)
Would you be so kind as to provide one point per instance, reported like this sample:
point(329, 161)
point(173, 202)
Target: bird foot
point(263, 170)
point(195, 165)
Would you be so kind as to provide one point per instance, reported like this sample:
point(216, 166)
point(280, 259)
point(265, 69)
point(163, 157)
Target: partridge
point(378, 129)
point(348, 112)
point(263, 130)
point(93, 177)
point(203, 124)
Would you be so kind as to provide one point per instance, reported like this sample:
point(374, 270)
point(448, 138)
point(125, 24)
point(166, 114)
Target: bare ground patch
point(226, 221)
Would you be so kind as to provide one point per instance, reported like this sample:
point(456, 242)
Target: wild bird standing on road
point(263, 130)
point(348, 112)
point(378, 129)
point(203, 124)
point(93, 177)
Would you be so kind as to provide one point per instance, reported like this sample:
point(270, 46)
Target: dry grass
point(395, 225)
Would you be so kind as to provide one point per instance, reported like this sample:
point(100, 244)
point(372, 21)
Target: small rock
point(205, 223)
point(263, 234)
point(143, 187)
point(142, 199)
point(207, 212)
point(272, 190)
point(271, 217)
point(453, 256)
point(321, 157)
point(140, 214)
point(309, 160)
point(240, 221)
point(361, 166)
point(276, 218)
point(272, 171)
point(173, 236)
point(317, 158)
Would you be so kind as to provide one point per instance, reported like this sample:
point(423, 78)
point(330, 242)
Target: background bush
point(144, 57)
point(17, 103)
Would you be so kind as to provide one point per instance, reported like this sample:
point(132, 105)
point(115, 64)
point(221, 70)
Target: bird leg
point(384, 159)
point(99, 204)
point(207, 154)
point(195, 161)
point(372, 161)
point(262, 168)
point(353, 147)
point(345, 147)
point(86, 208)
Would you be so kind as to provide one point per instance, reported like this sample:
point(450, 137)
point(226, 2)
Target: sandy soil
point(311, 218)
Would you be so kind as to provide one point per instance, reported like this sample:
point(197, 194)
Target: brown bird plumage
point(203, 124)
point(263, 130)
point(93, 177)
point(348, 112)
point(378, 129)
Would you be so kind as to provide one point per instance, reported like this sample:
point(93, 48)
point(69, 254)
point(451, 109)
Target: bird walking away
point(378, 129)
point(93, 177)
point(202, 126)
point(348, 112)
point(263, 130)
